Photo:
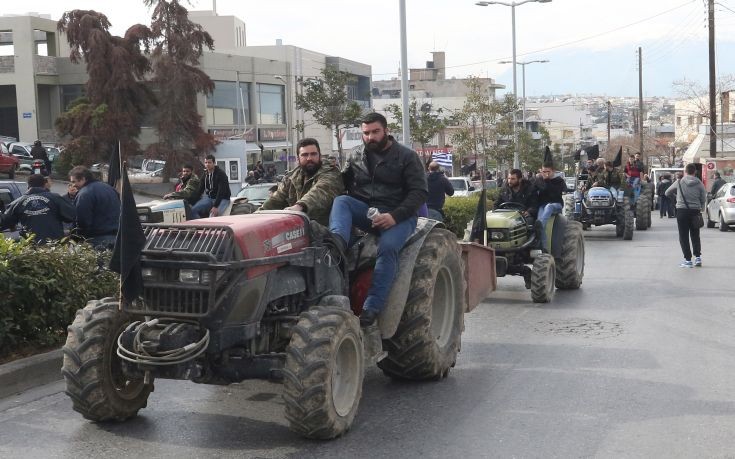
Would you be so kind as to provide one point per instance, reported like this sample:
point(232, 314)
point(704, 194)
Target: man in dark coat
point(439, 189)
point(38, 152)
point(40, 211)
point(717, 184)
point(188, 186)
point(550, 189)
point(390, 178)
point(214, 190)
point(521, 191)
point(98, 208)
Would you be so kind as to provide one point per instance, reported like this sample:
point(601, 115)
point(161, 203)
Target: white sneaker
point(686, 264)
point(697, 261)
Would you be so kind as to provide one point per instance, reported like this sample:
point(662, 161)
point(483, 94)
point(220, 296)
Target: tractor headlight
point(150, 274)
point(497, 235)
point(207, 276)
point(189, 276)
point(144, 214)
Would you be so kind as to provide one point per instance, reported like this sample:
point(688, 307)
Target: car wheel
point(710, 223)
point(723, 225)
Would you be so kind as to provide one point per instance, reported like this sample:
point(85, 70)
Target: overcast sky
point(591, 44)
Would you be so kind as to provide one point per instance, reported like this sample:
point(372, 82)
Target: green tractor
point(517, 243)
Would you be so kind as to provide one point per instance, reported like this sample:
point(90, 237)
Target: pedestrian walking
point(664, 203)
point(691, 199)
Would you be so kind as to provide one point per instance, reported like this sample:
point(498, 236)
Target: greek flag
point(443, 159)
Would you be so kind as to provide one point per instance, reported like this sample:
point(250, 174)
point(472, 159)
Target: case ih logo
point(295, 234)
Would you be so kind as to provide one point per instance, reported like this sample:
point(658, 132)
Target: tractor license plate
point(599, 213)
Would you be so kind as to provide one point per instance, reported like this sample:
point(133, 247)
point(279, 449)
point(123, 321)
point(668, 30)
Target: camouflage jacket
point(607, 179)
point(190, 191)
point(314, 193)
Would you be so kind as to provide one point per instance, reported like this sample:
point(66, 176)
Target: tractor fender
point(390, 317)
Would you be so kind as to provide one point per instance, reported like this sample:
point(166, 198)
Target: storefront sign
point(270, 134)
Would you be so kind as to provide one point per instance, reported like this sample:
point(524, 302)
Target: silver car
point(722, 208)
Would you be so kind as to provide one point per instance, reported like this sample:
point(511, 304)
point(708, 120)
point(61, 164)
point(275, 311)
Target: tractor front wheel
point(323, 374)
point(95, 382)
point(570, 265)
point(543, 279)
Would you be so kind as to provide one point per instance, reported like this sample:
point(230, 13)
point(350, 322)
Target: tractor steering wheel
point(512, 206)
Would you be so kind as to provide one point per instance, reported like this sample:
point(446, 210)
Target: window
point(69, 93)
point(231, 166)
point(227, 106)
point(271, 110)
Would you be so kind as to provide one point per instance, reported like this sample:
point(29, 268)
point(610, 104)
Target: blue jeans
point(544, 214)
point(634, 183)
point(205, 204)
point(348, 211)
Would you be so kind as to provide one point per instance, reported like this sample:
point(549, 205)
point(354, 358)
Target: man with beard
point(311, 187)
point(521, 191)
point(390, 178)
point(188, 186)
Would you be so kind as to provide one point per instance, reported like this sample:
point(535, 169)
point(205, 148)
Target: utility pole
point(608, 123)
point(640, 98)
point(712, 85)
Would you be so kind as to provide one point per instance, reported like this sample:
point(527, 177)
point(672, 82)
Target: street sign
point(27, 114)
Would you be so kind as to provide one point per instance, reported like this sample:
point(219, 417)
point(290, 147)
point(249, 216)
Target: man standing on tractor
point(521, 191)
point(550, 190)
point(633, 174)
point(388, 177)
point(311, 187)
point(609, 178)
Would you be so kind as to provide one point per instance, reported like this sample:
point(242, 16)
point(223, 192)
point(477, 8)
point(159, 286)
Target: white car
point(722, 208)
point(462, 186)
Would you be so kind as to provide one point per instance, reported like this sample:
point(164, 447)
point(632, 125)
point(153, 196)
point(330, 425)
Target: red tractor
point(267, 296)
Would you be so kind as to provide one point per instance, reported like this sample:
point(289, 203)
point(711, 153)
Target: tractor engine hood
point(503, 219)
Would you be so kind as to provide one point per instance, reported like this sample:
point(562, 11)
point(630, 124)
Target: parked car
point(721, 208)
point(462, 186)
point(250, 198)
point(9, 164)
point(489, 184)
point(10, 190)
point(22, 151)
point(571, 183)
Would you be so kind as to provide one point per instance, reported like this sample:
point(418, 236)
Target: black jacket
point(550, 190)
point(439, 188)
point(716, 185)
point(662, 186)
point(98, 209)
point(397, 185)
point(41, 213)
point(526, 195)
point(38, 152)
point(216, 185)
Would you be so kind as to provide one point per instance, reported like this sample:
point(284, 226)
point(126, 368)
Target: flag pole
point(122, 170)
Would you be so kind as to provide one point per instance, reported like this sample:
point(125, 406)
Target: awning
point(274, 145)
point(695, 149)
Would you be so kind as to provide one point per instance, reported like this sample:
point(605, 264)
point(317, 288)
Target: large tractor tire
point(92, 370)
point(427, 340)
point(570, 265)
point(643, 212)
point(323, 373)
point(628, 218)
point(543, 280)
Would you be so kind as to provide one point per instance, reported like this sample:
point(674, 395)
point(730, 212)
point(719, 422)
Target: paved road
point(638, 363)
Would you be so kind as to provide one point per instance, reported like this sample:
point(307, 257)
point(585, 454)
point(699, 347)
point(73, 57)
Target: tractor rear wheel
point(323, 373)
point(92, 370)
point(427, 340)
point(543, 282)
point(569, 206)
point(570, 265)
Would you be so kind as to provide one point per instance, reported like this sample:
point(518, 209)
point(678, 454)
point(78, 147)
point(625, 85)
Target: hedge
point(43, 287)
point(461, 210)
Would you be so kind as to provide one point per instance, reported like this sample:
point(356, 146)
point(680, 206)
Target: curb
point(23, 374)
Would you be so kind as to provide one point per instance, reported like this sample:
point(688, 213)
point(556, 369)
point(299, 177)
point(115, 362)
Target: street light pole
point(512, 5)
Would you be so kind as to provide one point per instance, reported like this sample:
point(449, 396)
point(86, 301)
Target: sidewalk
point(23, 374)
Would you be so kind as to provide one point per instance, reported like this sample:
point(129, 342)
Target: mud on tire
point(628, 218)
point(323, 372)
point(643, 212)
point(92, 370)
point(427, 340)
point(570, 265)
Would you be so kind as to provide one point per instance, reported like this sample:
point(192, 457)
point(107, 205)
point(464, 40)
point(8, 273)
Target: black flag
point(618, 161)
point(113, 173)
point(593, 152)
point(128, 245)
point(548, 158)
point(479, 224)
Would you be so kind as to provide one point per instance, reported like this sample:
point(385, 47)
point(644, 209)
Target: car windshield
point(255, 193)
point(458, 184)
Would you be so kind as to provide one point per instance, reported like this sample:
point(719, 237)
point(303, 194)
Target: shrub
point(44, 286)
point(461, 210)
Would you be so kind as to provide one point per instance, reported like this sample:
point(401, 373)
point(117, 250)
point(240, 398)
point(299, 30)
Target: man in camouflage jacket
point(311, 187)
